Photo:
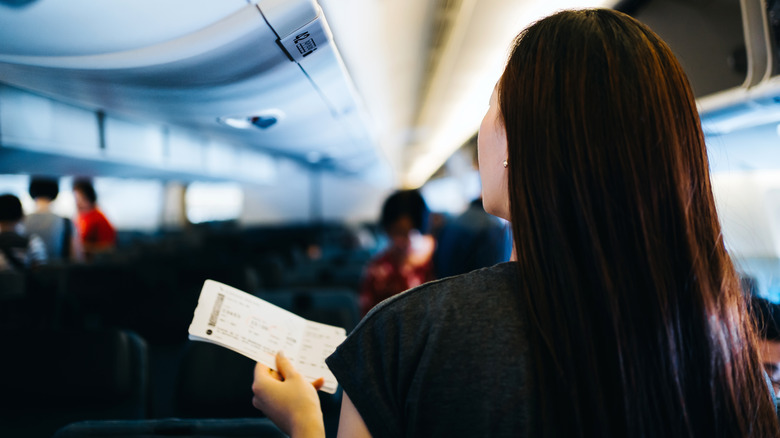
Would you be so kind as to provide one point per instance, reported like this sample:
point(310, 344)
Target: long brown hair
point(637, 323)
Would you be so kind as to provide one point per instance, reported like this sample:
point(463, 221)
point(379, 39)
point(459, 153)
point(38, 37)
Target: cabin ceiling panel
point(24, 161)
point(44, 124)
point(66, 28)
point(191, 76)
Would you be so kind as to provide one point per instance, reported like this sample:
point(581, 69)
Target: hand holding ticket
point(257, 329)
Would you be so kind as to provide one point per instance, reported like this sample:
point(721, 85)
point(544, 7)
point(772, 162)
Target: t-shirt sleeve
point(368, 366)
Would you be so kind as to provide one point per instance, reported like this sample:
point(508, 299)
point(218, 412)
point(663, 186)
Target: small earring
point(505, 164)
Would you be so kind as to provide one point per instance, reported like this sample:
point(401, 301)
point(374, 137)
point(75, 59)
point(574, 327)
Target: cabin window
point(213, 201)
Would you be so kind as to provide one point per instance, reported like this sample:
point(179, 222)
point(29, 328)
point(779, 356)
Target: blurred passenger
point(475, 239)
point(18, 251)
point(95, 231)
point(407, 261)
point(55, 231)
point(767, 316)
point(436, 222)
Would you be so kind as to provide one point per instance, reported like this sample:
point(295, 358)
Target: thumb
point(284, 366)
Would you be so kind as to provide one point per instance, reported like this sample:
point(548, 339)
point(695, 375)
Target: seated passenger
point(95, 231)
point(407, 260)
point(18, 251)
point(623, 314)
point(56, 231)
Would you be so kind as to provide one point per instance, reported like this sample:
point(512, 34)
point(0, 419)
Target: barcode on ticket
point(215, 310)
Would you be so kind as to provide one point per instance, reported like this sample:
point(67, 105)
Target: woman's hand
point(288, 399)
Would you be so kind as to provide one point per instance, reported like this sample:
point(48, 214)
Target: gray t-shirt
point(55, 231)
point(447, 358)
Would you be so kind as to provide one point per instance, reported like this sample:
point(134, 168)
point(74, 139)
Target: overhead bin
point(754, 102)
point(729, 49)
point(741, 125)
point(217, 73)
point(706, 36)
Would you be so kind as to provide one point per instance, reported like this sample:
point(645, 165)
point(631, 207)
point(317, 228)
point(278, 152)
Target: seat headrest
point(87, 366)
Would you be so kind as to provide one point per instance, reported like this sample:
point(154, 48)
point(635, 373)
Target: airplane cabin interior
point(253, 142)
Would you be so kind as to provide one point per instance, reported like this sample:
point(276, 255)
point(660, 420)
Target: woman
point(622, 315)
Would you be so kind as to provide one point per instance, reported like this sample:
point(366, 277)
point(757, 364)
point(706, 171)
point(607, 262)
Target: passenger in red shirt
point(95, 231)
point(407, 261)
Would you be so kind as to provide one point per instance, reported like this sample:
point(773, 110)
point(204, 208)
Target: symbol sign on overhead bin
point(306, 40)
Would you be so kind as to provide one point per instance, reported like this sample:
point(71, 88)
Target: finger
point(261, 371)
point(263, 385)
point(284, 366)
point(262, 374)
point(318, 383)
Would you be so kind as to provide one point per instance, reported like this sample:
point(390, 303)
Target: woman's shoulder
point(480, 289)
point(504, 273)
point(501, 276)
point(408, 351)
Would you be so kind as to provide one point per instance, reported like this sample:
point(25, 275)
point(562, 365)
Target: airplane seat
point(52, 378)
point(155, 304)
point(333, 307)
point(327, 272)
point(98, 295)
point(194, 428)
point(214, 382)
point(270, 269)
point(43, 305)
point(32, 299)
point(13, 293)
point(342, 273)
point(12, 285)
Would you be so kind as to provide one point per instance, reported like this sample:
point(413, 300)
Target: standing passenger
point(622, 315)
point(56, 232)
point(95, 231)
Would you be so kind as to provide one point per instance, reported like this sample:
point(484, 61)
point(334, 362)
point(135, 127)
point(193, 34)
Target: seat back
point(214, 382)
point(241, 427)
point(12, 285)
point(12, 298)
point(52, 378)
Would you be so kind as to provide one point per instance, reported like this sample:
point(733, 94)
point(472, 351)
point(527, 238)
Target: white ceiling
point(426, 102)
